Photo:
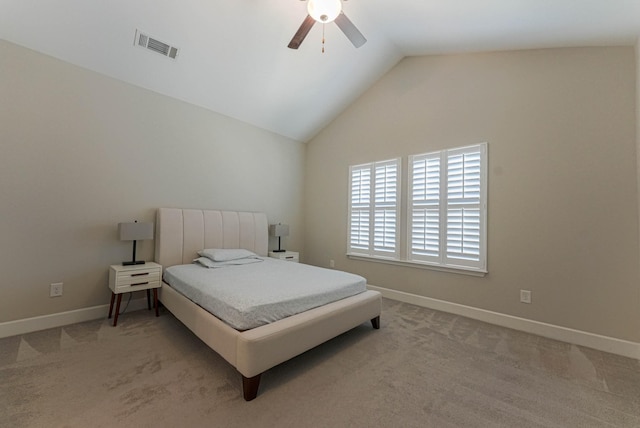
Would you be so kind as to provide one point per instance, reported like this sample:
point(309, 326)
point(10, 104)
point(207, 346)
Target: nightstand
point(289, 256)
point(127, 279)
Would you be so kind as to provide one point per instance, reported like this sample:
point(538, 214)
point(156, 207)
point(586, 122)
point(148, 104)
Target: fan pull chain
point(322, 38)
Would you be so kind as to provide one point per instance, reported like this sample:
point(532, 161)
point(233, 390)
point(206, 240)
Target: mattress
point(251, 295)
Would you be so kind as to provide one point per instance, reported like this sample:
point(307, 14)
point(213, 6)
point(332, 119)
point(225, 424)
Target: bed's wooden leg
point(250, 387)
point(375, 322)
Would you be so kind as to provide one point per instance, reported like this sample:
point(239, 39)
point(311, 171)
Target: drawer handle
point(139, 283)
point(140, 274)
point(288, 257)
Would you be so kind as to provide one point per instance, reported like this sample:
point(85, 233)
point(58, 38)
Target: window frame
point(446, 205)
point(403, 256)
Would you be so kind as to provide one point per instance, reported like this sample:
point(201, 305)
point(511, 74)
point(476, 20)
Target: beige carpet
point(423, 368)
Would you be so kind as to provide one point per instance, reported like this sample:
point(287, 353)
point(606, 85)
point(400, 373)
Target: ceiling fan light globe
point(324, 11)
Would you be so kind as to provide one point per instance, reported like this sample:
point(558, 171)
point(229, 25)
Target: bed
point(181, 233)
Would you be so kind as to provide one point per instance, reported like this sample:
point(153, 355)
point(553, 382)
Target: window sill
point(459, 270)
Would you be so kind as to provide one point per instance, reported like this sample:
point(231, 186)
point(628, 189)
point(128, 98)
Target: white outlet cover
point(56, 289)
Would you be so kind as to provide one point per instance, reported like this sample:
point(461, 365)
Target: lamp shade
point(279, 230)
point(135, 231)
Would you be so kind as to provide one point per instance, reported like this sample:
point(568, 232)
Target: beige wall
point(80, 152)
point(563, 203)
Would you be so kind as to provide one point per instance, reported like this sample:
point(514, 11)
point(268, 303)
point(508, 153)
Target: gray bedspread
point(248, 296)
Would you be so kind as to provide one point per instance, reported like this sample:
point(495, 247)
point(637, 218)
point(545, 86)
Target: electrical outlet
point(55, 289)
point(525, 296)
point(332, 264)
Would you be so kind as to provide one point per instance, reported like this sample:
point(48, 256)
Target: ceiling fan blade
point(302, 32)
point(350, 30)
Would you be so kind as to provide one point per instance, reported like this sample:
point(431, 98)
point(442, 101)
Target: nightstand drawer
point(142, 284)
point(132, 277)
point(288, 256)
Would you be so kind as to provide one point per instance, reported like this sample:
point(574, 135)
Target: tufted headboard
point(181, 233)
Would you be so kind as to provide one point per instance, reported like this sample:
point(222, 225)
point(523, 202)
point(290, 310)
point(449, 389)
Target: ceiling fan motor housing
point(324, 10)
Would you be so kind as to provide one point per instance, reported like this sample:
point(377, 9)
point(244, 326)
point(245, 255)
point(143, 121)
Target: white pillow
point(223, 255)
point(208, 263)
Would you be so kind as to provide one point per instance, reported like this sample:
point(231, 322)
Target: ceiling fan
point(326, 11)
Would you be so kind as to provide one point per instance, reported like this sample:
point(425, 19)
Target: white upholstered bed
point(181, 233)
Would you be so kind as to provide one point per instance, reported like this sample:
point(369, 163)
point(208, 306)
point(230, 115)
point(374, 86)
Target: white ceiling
point(234, 58)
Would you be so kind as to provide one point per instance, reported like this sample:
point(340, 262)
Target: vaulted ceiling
point(233, 56)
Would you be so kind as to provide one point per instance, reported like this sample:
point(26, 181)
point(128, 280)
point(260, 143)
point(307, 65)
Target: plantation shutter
point(424, 228)
point(374, 209)
point(385, 208)
point(447, 207)
point(360, 207)
point(464, 206)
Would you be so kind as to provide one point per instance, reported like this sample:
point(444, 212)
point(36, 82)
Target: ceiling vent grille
point(147, 42)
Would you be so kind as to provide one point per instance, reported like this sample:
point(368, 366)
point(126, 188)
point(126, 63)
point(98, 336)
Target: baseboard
point(577, 337)
point(28, 325)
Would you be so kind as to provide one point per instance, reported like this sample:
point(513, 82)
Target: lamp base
point(279, 251)
point(133, 262)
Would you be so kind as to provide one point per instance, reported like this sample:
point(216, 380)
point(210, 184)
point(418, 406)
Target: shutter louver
point(463, 234)
point(359, 229)
point(463, 183)
point(425, 234)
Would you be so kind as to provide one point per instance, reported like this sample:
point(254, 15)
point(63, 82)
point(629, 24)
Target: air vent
point(147, 42)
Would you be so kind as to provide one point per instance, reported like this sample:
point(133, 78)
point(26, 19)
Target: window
point(446, 209)
point(374, 204)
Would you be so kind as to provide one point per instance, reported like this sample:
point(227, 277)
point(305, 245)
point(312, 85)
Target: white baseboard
point(577, 337)
point(28, 325)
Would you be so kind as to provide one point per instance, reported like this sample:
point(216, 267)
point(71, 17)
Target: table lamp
point(279, 230)
point(135, 232)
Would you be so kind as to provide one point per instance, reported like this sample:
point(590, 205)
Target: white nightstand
point(289, 256)
point(127, 279)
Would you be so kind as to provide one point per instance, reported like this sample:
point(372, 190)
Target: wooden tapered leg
point(113, 296)
point(115, 317)
point(148, 299)
point(375, 322)
point(250, 387)
point(155, 300)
